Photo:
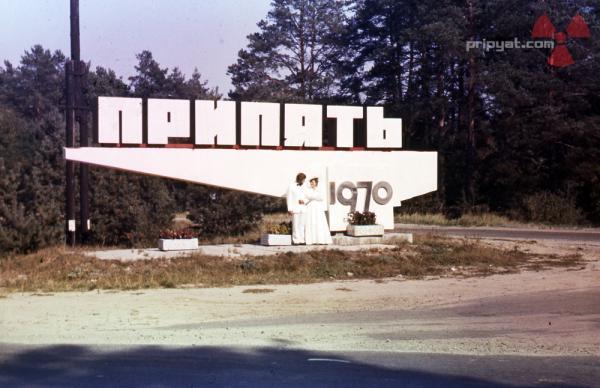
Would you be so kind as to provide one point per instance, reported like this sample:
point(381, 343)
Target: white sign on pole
point(261, 150)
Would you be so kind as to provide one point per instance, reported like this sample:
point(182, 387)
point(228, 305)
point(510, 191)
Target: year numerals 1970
point(373, 191)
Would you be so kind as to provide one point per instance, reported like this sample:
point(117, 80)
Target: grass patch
point(464, 256)
point(64, 269)
point(483, 219)
point(477, 219)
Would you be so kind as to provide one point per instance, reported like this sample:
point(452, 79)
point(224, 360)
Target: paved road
point(590, 236)
point(284, 365)
point(83, 366)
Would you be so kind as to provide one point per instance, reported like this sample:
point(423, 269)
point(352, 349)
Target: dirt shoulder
point(545, 312)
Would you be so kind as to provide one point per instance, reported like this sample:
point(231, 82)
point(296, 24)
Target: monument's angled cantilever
point(374, 179)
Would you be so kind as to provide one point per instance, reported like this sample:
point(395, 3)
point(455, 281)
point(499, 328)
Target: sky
point(203, 34)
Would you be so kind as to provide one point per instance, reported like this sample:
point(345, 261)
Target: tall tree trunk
point(302, 43)
point(440, 136)
point(313, 44)
point(472, 74)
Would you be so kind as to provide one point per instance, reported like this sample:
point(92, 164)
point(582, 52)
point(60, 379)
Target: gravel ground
point(553, 313)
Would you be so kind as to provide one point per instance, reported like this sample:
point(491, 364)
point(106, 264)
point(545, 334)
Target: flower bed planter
point(177, 244)
point(364, 230)
point(276, 239)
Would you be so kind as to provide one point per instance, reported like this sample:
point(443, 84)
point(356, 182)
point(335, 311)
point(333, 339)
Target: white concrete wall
point(270, 172)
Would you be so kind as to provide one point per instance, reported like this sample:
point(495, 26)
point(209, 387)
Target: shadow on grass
point(155, 366)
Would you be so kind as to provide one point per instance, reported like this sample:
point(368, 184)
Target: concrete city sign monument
point(259, 147)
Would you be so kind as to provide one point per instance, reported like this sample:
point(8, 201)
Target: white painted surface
point(276, 239)
point(260, 123)
point(303, 125)
point(108, 120)
point(269, 172)
point(345, 116)
point(181, 244)
point(167, 118)
point(382, 132)
point(214, 121)
point(365, 230)
point(373, 171)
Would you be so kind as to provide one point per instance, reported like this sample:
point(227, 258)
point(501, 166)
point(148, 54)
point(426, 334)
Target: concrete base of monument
point(276, 239)
point(343, 243)
point(365, 230)
point(173, 244)
point(389, 238)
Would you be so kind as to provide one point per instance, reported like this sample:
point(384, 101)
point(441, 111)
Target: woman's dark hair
point(315, 179)
point(300, 178)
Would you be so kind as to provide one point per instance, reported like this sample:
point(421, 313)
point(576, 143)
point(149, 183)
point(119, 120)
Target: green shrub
point(225, 212)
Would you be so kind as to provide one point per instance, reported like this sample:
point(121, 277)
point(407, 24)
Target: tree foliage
point(126, 209)
point(293, 56)
point(514, 134)
point(507, 125)
point(31, 133)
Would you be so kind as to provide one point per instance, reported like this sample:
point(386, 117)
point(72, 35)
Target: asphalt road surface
point(83, 366)
point(589, 236)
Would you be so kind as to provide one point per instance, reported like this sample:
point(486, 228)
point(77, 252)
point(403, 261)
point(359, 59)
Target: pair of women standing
point(307, 207)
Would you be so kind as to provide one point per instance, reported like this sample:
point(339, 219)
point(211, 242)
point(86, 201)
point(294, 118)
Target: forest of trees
point(514, 135)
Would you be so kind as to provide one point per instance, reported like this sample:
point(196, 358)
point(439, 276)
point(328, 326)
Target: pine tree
point(151, 80)
point(33, 131)
point(294, 55)
point(545, 118)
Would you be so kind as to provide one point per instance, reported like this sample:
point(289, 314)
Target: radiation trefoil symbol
point(560, 56)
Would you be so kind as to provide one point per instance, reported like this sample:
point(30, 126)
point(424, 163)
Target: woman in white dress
point(317, 229)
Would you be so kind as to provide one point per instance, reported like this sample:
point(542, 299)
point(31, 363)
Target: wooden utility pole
point(70, 168)
point(76, 111)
